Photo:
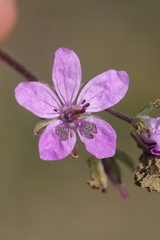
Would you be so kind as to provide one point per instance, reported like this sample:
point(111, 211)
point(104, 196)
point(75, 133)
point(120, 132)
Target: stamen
point(87, 105)
point(83, 101)
point(55, 110)
point(84, 107)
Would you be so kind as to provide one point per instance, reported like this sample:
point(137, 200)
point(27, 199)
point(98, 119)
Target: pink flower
point(64, 115)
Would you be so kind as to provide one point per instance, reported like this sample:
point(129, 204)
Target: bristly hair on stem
point(10, 61)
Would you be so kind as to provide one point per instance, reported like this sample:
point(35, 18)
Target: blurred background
point(51, 200)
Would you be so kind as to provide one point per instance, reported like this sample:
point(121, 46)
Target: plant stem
point(17, 66)
point(119, 115)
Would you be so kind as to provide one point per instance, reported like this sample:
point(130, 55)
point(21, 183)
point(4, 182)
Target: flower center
point(68, 116)
point(71, 114)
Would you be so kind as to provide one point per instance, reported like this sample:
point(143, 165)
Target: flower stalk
point(18, 67)
point(119, 115)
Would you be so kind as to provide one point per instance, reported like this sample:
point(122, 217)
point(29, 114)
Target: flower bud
point(146, 131)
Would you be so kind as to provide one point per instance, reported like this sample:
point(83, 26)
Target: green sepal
point(149, 108)
point(40, 126)
point(140, 126)
point(98, 176)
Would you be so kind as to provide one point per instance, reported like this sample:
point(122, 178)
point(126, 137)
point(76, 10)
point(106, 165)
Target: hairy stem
point(119, 115)
point(10, 61)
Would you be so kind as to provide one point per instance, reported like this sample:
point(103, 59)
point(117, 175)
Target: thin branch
point(10, 61)
point(119, 115)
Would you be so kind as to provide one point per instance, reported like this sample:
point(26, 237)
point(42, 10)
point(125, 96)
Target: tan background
point(50, 200)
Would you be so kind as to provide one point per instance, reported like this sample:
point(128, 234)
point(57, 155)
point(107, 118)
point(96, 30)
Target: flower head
point(146, 130)
point(64, 114)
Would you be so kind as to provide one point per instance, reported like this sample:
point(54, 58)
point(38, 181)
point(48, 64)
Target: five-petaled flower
point(63, 115)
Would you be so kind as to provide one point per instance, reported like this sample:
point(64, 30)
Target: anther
point(84, 107)
point(83, 101)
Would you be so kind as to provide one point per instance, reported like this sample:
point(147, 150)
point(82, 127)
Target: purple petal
point(152, 141)
point(151, 122)
point(38, 99)
point(102, 141)
point(157, 127)
point(155, 140)
point(104, 91)
point(66, 74)
point(124, 193)
point(50, 145)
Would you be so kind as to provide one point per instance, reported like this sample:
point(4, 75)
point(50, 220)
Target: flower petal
point(124, 193)
point(152, 140)
point(152, 123)
point(38, 99)
point(156, 138)
point(50, 145)
point(104, 91)
point(66, 74)
point(157, 127)
point(103, 144)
